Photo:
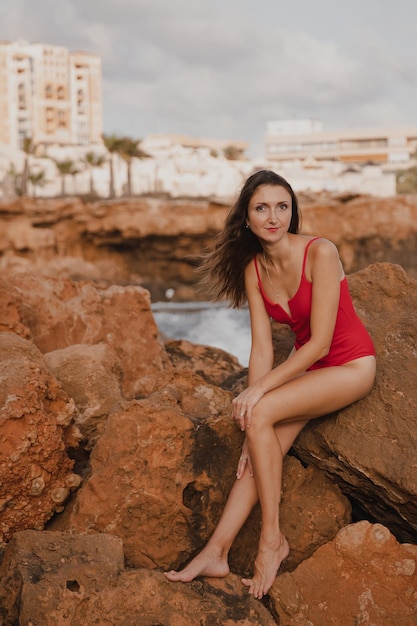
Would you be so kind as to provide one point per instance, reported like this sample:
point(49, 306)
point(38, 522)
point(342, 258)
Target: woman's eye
point(283, 207)
point(260, 207)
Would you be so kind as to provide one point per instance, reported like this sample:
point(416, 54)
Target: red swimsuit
point(350, 340)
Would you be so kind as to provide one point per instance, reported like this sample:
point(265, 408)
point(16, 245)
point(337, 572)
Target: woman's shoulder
point(320, 253)
point(321, 246)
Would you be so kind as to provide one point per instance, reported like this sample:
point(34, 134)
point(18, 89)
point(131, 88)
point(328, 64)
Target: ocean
point(207, 324)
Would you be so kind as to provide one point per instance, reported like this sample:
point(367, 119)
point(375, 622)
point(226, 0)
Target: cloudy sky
point(224, 68)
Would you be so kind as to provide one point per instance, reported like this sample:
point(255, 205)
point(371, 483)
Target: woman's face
point(270, 212)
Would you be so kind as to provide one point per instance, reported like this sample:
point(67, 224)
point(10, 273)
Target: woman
point(297, 280)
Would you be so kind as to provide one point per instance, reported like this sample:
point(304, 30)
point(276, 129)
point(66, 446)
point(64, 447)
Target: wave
point(206, 323)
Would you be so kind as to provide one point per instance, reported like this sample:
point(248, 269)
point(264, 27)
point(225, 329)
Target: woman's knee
point(259, 422)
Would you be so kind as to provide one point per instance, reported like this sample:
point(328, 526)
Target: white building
point(292, 140)
point(49, 95)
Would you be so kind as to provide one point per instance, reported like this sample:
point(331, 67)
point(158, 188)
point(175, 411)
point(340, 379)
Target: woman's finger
point(241, 466)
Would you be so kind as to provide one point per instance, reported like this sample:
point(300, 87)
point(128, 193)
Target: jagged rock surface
point(35, 413)
point(363, 576)
point(156, 242)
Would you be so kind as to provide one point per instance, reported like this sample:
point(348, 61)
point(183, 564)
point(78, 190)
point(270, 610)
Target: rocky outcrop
point(57, 313)
point(56, 579)
point(92, 375)
point(156, 243)
point(165, 465)
point(83, 368)
point(36, 415)
point(363, 576)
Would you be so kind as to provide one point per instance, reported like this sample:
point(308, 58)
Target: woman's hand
point(244, 461)
point(243, 405)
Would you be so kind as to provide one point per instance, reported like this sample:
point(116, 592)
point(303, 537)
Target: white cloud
point(225, 69)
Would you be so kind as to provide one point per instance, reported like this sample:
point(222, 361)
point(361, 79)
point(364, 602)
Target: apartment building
point(306, 139)
point(49, 94)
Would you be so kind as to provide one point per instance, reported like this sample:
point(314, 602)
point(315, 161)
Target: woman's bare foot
point(208, 563)
point(267, 563)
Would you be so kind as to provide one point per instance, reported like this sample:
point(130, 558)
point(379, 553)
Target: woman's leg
point(212, 560)
point(313, 394)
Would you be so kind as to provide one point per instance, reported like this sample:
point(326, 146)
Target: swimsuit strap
point(257, 269)
point(304, 260)
point(305, 253)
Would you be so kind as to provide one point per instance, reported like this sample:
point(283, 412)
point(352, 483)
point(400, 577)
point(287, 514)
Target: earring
point(247, 226)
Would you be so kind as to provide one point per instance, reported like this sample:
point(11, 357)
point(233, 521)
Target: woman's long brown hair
point(223, 268)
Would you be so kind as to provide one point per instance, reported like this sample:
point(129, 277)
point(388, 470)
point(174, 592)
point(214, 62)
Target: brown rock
point(35, 412)
point(363, 576)
point(366, 229)
point(61, 313)
point(57, 579)
point(157, 242)
point(146, 598)
point(10, 319)
point(367, 447)
point(92, 376)
point(45, 575)
point(216, 366)
point(160, 471)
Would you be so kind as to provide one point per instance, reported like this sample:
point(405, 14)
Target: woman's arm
point(326, 272)
point(261, 355)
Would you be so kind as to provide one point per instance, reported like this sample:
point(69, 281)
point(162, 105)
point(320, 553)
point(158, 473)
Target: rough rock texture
point(92, 376)
point(369, 447)
point(60, 579)
point(363, 576)
point(61, 313)
point(216, 366)
point(366, 229)
point(35, 413)
point(162, 470)
point(10, 318)
point(42, 573)
point(159, 472)
point(156, 243)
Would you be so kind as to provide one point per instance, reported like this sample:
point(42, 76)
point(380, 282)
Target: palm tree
point(12, 181)
point(232, 153)
point(38, 179)
point(92, 160)
point(113, 144)
point(28, 148)
point(65, 167)
point(130, 150)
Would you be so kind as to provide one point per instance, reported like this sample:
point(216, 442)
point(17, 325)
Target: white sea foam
point(207, 324)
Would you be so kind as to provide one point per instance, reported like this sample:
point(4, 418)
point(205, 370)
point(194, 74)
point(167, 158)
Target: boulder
point(59, 579)
point(45, 575)
point(36, 416)
point(216, 366)
point(60, 313)
point(92, 376)
point(363, 576)
point(161, 473)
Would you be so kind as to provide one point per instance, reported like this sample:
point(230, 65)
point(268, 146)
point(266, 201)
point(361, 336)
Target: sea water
point(207, 324)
